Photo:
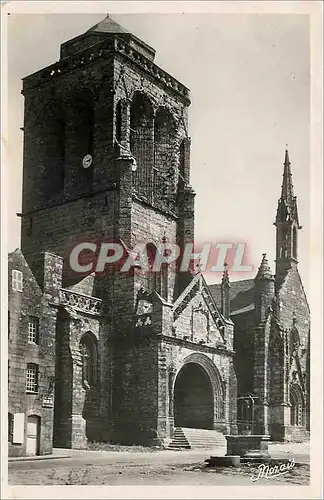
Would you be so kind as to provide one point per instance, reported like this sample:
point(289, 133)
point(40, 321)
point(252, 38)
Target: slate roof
point(107, 25)
point(241, 295)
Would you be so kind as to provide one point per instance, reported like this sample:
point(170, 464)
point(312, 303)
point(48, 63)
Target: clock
point(87, 161)
point(134, 165)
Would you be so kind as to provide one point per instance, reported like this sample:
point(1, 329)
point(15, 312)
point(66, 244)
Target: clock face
point(87, 161)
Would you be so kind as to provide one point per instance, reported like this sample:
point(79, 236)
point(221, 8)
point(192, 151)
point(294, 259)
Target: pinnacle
point(264, 271)
point(225, 278)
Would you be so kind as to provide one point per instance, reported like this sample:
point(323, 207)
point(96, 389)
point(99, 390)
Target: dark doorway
point(193, 398)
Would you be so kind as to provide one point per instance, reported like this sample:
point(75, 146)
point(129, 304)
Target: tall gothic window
point(283, 252)
point(88, 350)
point(294, 341)
point(118, 121)
point(141, 142)
point(81, 118)
point(164, 135)
point(297, 406)
point(182, 161)
point(53, 149)
point(60, 152)
point(295, 242)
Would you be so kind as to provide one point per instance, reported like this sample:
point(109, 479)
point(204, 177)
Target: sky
point(249, 78)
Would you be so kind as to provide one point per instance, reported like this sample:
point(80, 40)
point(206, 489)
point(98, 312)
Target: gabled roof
point(241, 295)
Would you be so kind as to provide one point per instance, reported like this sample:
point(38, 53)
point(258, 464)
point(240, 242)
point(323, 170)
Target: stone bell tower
point(106, 148)
point(106, 157)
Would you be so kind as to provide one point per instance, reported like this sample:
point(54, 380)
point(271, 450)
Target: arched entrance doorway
point(193, 398)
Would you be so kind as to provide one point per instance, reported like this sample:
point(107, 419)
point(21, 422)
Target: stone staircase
point(188, 438)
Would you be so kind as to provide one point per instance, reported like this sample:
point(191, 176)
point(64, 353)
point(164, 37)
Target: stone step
point(189, 438)
point(175, 444)
point(208, 438)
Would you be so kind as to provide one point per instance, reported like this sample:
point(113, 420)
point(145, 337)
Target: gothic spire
point(287, 203)
point(287, 224)
point(287, 188)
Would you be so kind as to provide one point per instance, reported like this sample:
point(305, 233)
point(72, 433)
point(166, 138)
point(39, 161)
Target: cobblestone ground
point(135, 468)
point(99, 475)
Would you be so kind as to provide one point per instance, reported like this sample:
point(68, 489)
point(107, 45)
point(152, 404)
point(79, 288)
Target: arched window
point(164, 136)
point(54, 148)
point(81, 119)
point(295, 242)
point(89, 354)
point(118, 121)
point(283, 252)
point(141, 142)
point(297, 406)
point(84, 121)
point(182, 162)
point(294, 341)
point(61, 151)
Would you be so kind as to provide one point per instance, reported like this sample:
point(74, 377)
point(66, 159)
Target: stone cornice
point(100, 51)
point(151, 69)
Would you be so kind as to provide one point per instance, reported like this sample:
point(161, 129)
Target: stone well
point(252, 446)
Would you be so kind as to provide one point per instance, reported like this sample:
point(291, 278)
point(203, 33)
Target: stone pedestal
point(253, 446)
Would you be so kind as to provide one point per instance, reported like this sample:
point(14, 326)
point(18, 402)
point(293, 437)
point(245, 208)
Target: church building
point(272, 334)
point(137, 358)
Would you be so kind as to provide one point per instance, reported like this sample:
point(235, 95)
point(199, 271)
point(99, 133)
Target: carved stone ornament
point(77, 301)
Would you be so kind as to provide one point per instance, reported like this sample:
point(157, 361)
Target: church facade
point(130, 357)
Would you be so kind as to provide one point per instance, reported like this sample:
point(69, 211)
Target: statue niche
point(200, 324)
